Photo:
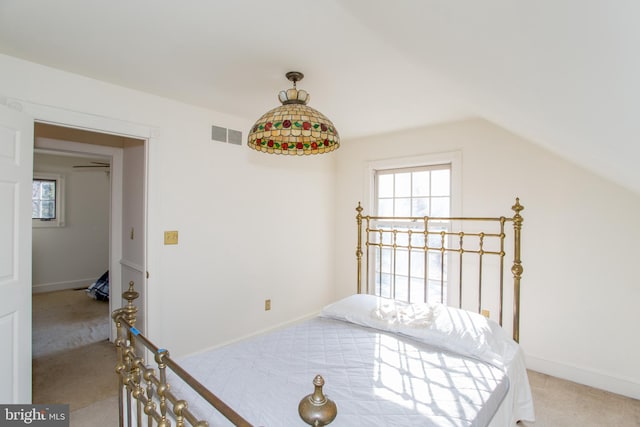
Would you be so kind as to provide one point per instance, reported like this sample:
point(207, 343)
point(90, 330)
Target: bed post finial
point(516, 269)
point(130, 310)
point(315, 409)
point(517, 208)
point(359, 247)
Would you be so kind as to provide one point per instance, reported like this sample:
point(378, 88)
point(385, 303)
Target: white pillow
point(449, 328)
point(354, 307)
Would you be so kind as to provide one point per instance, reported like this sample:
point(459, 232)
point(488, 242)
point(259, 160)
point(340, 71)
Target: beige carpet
point(67, 319)
point(73, 363)
point(103, 413)
point(79, 376)
point(560, 403)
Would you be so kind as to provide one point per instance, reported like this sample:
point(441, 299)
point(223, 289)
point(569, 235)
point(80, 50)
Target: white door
point(16, 174)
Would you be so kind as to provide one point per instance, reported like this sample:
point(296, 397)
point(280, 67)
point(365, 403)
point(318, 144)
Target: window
point(413, 187)
point(44, 199)
point(419, 191)
point(47, 200)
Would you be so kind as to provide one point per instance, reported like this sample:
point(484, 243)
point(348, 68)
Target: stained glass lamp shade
point(293, 128)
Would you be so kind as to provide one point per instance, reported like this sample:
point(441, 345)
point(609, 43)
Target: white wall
point(77, 254)
point(251, 226)
point(580, 288)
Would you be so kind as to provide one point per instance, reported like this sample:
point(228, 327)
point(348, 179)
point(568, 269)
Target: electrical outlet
point(267, 305)
point(486, 313)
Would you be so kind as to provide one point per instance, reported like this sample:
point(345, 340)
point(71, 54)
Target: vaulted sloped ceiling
point(562, 73)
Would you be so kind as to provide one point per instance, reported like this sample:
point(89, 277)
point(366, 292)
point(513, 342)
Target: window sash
point(44, 199)
point(47, 200)
point(397, 194)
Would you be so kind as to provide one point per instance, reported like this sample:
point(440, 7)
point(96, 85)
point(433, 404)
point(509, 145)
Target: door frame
point(85, 121)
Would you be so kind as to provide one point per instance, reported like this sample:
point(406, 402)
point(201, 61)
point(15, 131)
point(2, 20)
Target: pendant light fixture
point(293, 128)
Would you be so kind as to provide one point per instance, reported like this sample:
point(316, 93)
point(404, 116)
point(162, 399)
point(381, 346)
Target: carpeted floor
point(79, 376)
point(560, 403)
point(73, 361)
point(67, 319)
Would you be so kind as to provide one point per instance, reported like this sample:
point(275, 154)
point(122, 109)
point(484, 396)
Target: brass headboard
point(439, 239)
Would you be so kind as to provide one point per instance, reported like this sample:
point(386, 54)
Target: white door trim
point(73, 119)
point(68, 118)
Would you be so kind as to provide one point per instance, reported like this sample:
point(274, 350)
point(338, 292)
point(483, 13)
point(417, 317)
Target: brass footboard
point(146, 398)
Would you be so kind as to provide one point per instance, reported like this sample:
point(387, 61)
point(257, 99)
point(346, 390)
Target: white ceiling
point(563, 73)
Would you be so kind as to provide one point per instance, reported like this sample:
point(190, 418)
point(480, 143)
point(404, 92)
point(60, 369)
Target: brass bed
point(421, 260)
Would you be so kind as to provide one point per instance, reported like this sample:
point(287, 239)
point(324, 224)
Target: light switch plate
point(170, 237)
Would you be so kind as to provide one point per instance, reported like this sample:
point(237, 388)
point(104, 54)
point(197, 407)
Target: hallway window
point(47, 200)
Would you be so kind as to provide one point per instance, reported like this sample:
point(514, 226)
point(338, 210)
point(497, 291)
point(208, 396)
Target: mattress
point(376, 377)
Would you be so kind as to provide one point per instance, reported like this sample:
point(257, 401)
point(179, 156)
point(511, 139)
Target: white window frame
point(453, 159)
point(59, 220)
point(378, 174)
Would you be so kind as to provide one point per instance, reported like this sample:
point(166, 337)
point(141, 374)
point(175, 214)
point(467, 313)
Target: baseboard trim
point(61, 286)
point(584, 376)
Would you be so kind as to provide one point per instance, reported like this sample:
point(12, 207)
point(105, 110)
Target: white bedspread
point(449, 328)
point(376, 377)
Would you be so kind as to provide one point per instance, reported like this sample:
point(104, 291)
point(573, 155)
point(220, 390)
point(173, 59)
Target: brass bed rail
point(145, 392)
point(149, 388)
point(436, 235)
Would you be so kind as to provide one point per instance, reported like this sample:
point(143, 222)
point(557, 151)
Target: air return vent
point(234, 137)
point(226, 135)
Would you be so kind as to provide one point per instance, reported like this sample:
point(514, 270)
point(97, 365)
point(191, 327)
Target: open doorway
point(103, 179)
point(70, 251)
